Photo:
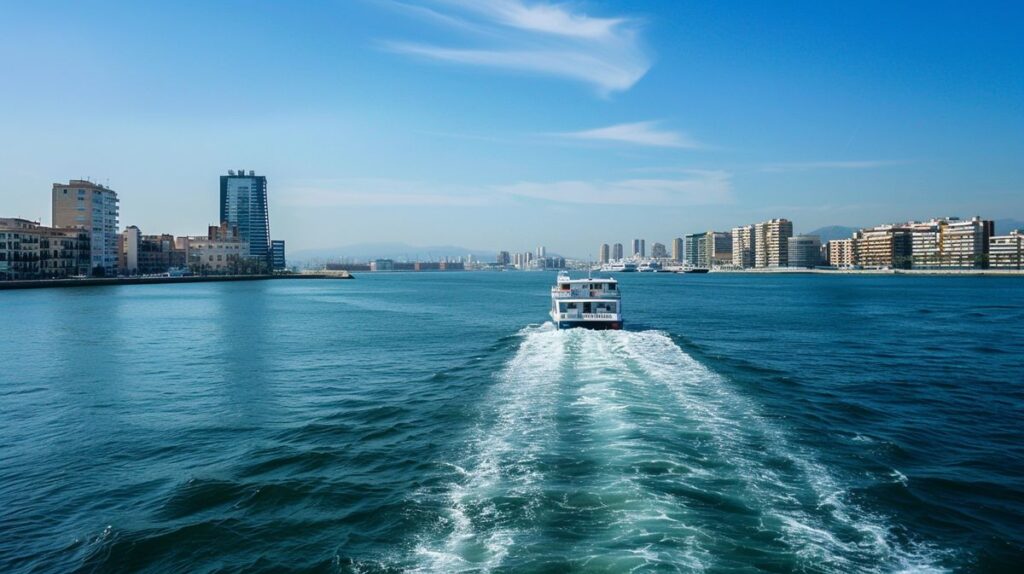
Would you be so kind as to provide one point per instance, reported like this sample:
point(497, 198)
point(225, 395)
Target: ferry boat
point(692, 269)
point(589, 303)
point(619, 267)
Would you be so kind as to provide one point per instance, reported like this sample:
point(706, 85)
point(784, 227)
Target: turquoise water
point(436, 423)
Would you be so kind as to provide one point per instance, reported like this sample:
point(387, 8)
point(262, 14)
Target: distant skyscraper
point(639, 248)
point(604, 253)
point(617, 251)
point(542, 252)
point(82, 204)
point(243, 204)
point(503, 258)
point(658, 251)
point(677, 249)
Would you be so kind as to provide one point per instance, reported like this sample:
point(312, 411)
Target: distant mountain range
point(833, 232)
point(388, 250)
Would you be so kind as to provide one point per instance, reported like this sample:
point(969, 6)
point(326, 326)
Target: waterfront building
point(222, 250)
point(603, 253)
point(695, 248)
point(159, 254)
point(82, 204)
point(839, 253)
point(131, 237)
point(1007, 251)
point(883, 246)
point(658, 251)
point(617, 252)
point(951, 243)
point(677, 250)
point(29, 250)
point(542, 252)
point(709, 249)
point(639, 248)
point(243, 205)
point(503, 258)
point(804, 251)
point(771, 247)
point(277, 255)
point(718, 249)
point(744, 246)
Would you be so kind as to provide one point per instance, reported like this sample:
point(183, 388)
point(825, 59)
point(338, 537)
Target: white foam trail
point(501, 462)
point(679, 470)
point(825, 531)
point(646, 528)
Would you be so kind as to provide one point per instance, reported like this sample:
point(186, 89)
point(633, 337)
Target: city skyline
point(434, 123)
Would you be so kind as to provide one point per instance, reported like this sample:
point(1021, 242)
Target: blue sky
point(505, 124)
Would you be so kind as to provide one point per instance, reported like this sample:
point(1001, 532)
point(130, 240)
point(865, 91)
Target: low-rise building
point(1007, 251)
point(221, 251)
point(278, 262)
point(29, 250)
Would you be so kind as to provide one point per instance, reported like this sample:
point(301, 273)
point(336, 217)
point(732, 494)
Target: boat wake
point(617, 451)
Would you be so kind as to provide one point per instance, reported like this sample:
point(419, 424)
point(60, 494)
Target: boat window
point(564, 286)
point(611, 286)
point(586, 307)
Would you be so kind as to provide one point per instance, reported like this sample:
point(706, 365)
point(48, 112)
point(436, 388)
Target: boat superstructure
point(590, 303)
point(618, 267)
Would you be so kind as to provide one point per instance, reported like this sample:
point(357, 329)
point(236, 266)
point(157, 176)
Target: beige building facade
point(82, 204)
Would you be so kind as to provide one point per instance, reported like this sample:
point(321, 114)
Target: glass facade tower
point(243, 204)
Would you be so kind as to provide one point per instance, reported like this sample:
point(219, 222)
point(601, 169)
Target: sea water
point(439, 423)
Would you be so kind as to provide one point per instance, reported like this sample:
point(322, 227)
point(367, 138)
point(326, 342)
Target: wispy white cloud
point(542, 37)
point(814, 165)
point(699, 187)
point(638, 133)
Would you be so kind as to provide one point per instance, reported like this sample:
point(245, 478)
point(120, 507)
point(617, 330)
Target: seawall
point(106, 281)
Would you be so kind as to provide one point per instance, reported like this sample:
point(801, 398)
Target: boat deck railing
point(584, 293)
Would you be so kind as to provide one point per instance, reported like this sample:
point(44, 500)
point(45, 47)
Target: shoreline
point(107, 281)
point(927, 272)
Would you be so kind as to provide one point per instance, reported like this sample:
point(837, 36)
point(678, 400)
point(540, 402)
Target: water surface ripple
point(437, 423)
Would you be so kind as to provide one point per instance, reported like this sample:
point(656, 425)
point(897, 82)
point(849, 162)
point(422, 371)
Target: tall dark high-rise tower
point(243, 204)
